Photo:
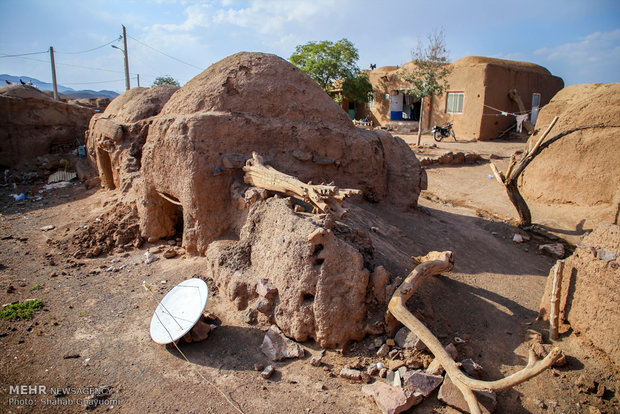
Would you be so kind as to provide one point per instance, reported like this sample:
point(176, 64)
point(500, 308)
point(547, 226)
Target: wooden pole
point(420, 121)
point(127, 86)
point(554, 312)
point(53, 63)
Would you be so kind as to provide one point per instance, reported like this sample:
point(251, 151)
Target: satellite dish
point(179, 311)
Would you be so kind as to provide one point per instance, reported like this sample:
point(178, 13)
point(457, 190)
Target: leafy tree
point(430, 70)
point(357, 88)
point(327, 61)
point(166, 80)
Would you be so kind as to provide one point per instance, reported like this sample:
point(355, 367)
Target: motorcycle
point(441, 132)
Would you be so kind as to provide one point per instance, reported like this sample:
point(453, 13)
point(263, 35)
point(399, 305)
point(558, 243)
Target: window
point(454, 103)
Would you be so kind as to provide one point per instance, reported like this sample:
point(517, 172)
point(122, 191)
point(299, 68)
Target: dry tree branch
point(433, 264)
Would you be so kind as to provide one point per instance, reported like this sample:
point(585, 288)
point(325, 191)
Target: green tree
point(430, 70)
point(357, 88)
point(327, 61)
point(165, 80)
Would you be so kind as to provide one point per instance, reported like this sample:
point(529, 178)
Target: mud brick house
point(477, 100)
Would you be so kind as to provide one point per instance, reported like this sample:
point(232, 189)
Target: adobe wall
point(467, 79)
point(499, 80)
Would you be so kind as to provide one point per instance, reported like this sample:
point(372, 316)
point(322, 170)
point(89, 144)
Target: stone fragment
point(264, 307)
point(585, 384)
point(554, 250)
point(379, 279)
point(435, 367)
point(170, 253)
point(316, 361)
point(48, 227)
point(258, 367)
point(390, 342)
point(268, 371)
point(391, 400)
point(251, 316)
point(200, 331)
point(395, 364)
point(395, 353)
point(472, 368)
point(383, 372)
point(352, 374)
point(265, 289)
point(452, 396)
point(408, 340)
point(517, 238)
point(278, 347)
point(383, 351)
point(423, 383)
point(372, 369)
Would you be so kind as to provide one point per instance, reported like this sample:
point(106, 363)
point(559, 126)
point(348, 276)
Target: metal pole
point(53, 73)
point(138, 75)
point(127, 87)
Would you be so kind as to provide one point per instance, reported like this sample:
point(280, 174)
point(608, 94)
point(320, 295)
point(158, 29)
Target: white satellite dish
point(179, 311)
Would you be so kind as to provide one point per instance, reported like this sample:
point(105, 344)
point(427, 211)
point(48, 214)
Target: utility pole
point(138, 75)
point(53, 73)
point(127, 87)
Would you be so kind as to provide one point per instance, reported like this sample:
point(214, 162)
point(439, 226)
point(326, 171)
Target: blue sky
point(576, 40)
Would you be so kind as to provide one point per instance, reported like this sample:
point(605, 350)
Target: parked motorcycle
point(441, 132)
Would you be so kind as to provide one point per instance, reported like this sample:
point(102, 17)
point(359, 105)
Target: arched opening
point(105, 169)
point(174, 211)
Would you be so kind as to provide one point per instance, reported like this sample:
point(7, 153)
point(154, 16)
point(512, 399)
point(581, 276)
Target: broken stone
point(396, 364)
point(265, 289)
point(264, 307)
point(408, 340)
point(585, 384)
point(391, 400)
point(366, 378)
point(170, 253)
point(316, 361)
point(372, 369)
point(472, 369)
point(268, 372)
point(150, 258)
point(48, 227)
point(200, 331)
point(352, 374)
point(251, 316)
point(390, 342)
point(554, 250)
point(258, 367)
point(423, 383)
point(393, 378)
point(517, 238)
point(383, 351)
point(278, 347)
point(395, 353)
point(435, 367)
point(383, 372)
point(452, 396)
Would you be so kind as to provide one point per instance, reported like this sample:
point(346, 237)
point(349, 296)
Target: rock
point(379, 279)
point(268, 372)
point(517, 238)
point(435, 367)
point(278, 347)
point(352, 374)
point(251, 316)
point(395, 364)
point(71, 356)
point(150, 258)
point(585, 384)
point(170, 253)
point(264, 307)
point(392, 400)
point(258, 367)
point(265, 289)
point(383, 372)
point(406, 339)
point(395, 353)
point(452, 396)
point(390, 342)
point(423, 383)
point(48, 228)
point(372, 369)
point(200, 331)
point(316, 361)
point(383, 351)
point(472, 369)
point(446, 158)
point(554, 250)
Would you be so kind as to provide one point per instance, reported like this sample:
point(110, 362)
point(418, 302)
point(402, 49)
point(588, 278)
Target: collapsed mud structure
point(179, 156)
point(581, 169)
point(33, 124)
point(586, 293)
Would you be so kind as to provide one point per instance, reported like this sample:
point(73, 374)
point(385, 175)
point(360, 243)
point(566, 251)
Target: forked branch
point(433, 264)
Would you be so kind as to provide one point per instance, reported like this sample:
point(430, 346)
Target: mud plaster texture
point(582, 168)
point(33, 124)
point(589, 293)
point(197, 145)
point(115, 137)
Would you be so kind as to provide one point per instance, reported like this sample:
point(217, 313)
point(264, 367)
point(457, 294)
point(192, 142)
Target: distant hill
point(46, 86)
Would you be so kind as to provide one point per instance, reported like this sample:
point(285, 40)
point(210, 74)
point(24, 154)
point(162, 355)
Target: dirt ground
point(94, 328)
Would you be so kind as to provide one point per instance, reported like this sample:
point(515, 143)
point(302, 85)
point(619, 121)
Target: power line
point(92, 83)
point(165, 54)
point(23, 54)
point(90, 50)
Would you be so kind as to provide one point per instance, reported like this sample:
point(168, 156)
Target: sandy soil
point(93, 330)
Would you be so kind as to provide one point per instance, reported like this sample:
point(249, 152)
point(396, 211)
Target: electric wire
point(165, 54)
point(89, 50)
point(3, 55)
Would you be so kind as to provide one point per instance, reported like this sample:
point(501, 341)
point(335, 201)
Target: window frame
point(453, 105)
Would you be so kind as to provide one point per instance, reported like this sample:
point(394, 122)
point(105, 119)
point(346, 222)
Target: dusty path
point(93, 331)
